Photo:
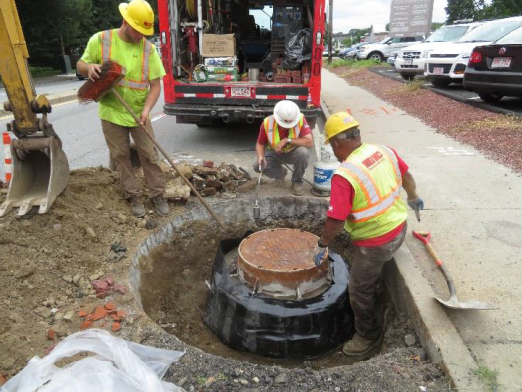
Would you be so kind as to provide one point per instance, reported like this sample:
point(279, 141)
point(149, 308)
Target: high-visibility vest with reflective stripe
point(272, 132)
point(373, 171)
point(107, 54)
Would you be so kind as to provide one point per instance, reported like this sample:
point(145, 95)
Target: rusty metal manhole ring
point(278, 262)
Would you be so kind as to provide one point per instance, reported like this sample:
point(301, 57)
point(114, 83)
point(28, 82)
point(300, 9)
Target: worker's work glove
point(320, 254)
point(416, 205)
point(261, 164)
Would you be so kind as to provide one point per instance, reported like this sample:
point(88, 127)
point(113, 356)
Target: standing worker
point(365, 200)
point(128, 47)
point(288, 137)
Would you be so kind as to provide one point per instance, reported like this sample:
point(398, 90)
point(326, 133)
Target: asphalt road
point(508, 105)
point(80, 130)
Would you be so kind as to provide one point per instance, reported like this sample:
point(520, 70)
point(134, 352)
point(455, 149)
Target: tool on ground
point(453, 302)
point(257, 209)
point(40, 170)
point(111, 73)
point(314, 190)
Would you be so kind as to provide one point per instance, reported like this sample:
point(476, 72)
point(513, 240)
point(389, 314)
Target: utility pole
point(330, 32)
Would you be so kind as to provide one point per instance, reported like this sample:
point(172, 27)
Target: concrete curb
point(412, 295)
point(53, 99)
point(478, 104)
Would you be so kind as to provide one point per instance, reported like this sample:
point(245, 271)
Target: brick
point(120, 313)
point(85, 325)
point(110, 306)
point(115, 317)
point(116, 326)
point(3, 379)
point(50, 334)
point(209, 191)
point(208, 164)
point(119, 288)
point(99, 313)
point(82, 314)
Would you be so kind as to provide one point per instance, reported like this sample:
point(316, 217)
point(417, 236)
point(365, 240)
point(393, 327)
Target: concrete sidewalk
point(474, 213)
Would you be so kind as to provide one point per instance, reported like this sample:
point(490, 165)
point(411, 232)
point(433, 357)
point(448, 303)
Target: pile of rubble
point(224, 180)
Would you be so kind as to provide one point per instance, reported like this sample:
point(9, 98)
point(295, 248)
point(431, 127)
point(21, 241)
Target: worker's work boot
point(360, 347)
point(297, 189)
point(161, 205)
point(280, 182)
point(137, 207)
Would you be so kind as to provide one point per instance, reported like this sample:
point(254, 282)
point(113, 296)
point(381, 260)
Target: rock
point(69, 315)
point(90, 232)
point(246, 187)
point(243, 381)
point(122, 219)
point(16, 318)
point(410, 340)
point(93, 277)
point(58, 316)
point(142, 223)
point(256, 380)
point(208, 192)
point(27, 223)
point(57, 227)
point(8, 363)
point(50, 302)
point(206, 171)
point(61, 328)
point(186, 273)
point(177, 189)
point(76, 280)
point(67, 278)
point(198, 181)
point(98, 206)
point(186, 170)
point(44, 312)
point(281, 379)
point(25, 270)
point(151, 224)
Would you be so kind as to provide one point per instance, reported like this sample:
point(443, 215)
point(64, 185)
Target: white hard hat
point(286, 114)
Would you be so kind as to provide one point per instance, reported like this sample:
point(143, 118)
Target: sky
point(359, 14)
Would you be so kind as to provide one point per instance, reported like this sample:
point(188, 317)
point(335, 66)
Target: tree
point(502, 9)
point(464, 9)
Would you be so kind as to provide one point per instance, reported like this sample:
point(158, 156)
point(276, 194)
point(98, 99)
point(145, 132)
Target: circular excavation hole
point(172, 275)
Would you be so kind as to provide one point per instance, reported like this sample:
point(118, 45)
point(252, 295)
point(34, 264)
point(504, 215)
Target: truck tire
point(407, 77)
point(377, 56)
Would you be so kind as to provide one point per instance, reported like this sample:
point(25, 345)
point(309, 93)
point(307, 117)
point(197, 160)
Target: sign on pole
point(411, 18)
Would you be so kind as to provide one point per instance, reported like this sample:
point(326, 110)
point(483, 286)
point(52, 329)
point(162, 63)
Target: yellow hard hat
point(139, 14)
point(338, 123)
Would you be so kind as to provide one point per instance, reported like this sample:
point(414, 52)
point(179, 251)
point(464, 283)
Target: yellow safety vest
point(373, 171)
point(272, 132)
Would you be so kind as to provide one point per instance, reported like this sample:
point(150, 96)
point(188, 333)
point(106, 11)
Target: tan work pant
point(365, 270)
point(118, 141)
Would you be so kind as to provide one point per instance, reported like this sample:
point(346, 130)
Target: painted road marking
point(452, 151)
point(374, 112)
point(156, 117)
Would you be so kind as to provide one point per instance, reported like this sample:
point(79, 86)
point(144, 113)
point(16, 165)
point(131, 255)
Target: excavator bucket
point(40, 173)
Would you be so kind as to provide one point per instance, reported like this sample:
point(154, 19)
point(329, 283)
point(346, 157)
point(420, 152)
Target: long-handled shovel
point(111, 74)
point(453, 302)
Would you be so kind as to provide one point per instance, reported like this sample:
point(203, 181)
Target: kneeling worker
point(287, 137)
point(365, 200)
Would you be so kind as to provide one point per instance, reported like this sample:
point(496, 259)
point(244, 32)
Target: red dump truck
point(229, 60)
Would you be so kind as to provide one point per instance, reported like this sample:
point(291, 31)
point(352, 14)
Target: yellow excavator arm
point(40, 167)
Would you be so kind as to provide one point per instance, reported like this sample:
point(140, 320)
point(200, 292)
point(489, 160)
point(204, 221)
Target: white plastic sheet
point(118, 365)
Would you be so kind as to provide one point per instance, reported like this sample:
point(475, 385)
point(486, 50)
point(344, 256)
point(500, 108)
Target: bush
point(39, 72)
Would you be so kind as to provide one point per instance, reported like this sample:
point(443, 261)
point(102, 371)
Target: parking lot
point(508, 105)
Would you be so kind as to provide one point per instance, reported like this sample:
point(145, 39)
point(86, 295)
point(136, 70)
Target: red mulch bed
point(495, 135)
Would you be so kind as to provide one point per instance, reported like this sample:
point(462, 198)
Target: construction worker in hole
point(365, 200)
point(287, 136)
point(140, 88)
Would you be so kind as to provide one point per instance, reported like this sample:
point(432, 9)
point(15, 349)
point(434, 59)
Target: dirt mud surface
point(48, 264)
point(497, 136)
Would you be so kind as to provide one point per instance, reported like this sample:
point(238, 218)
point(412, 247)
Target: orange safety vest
point(272, 132)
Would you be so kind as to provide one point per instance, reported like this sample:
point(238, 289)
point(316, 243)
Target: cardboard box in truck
point(215, 45)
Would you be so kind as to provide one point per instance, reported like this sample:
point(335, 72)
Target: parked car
point(351, 52)
point(410, 61)
point(391, 60)
point(447, 64)
point(495, 71)
point(386, 48)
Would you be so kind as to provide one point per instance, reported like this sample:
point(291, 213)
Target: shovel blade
point(38, 178)
point(454, 303)
point(257, 213)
